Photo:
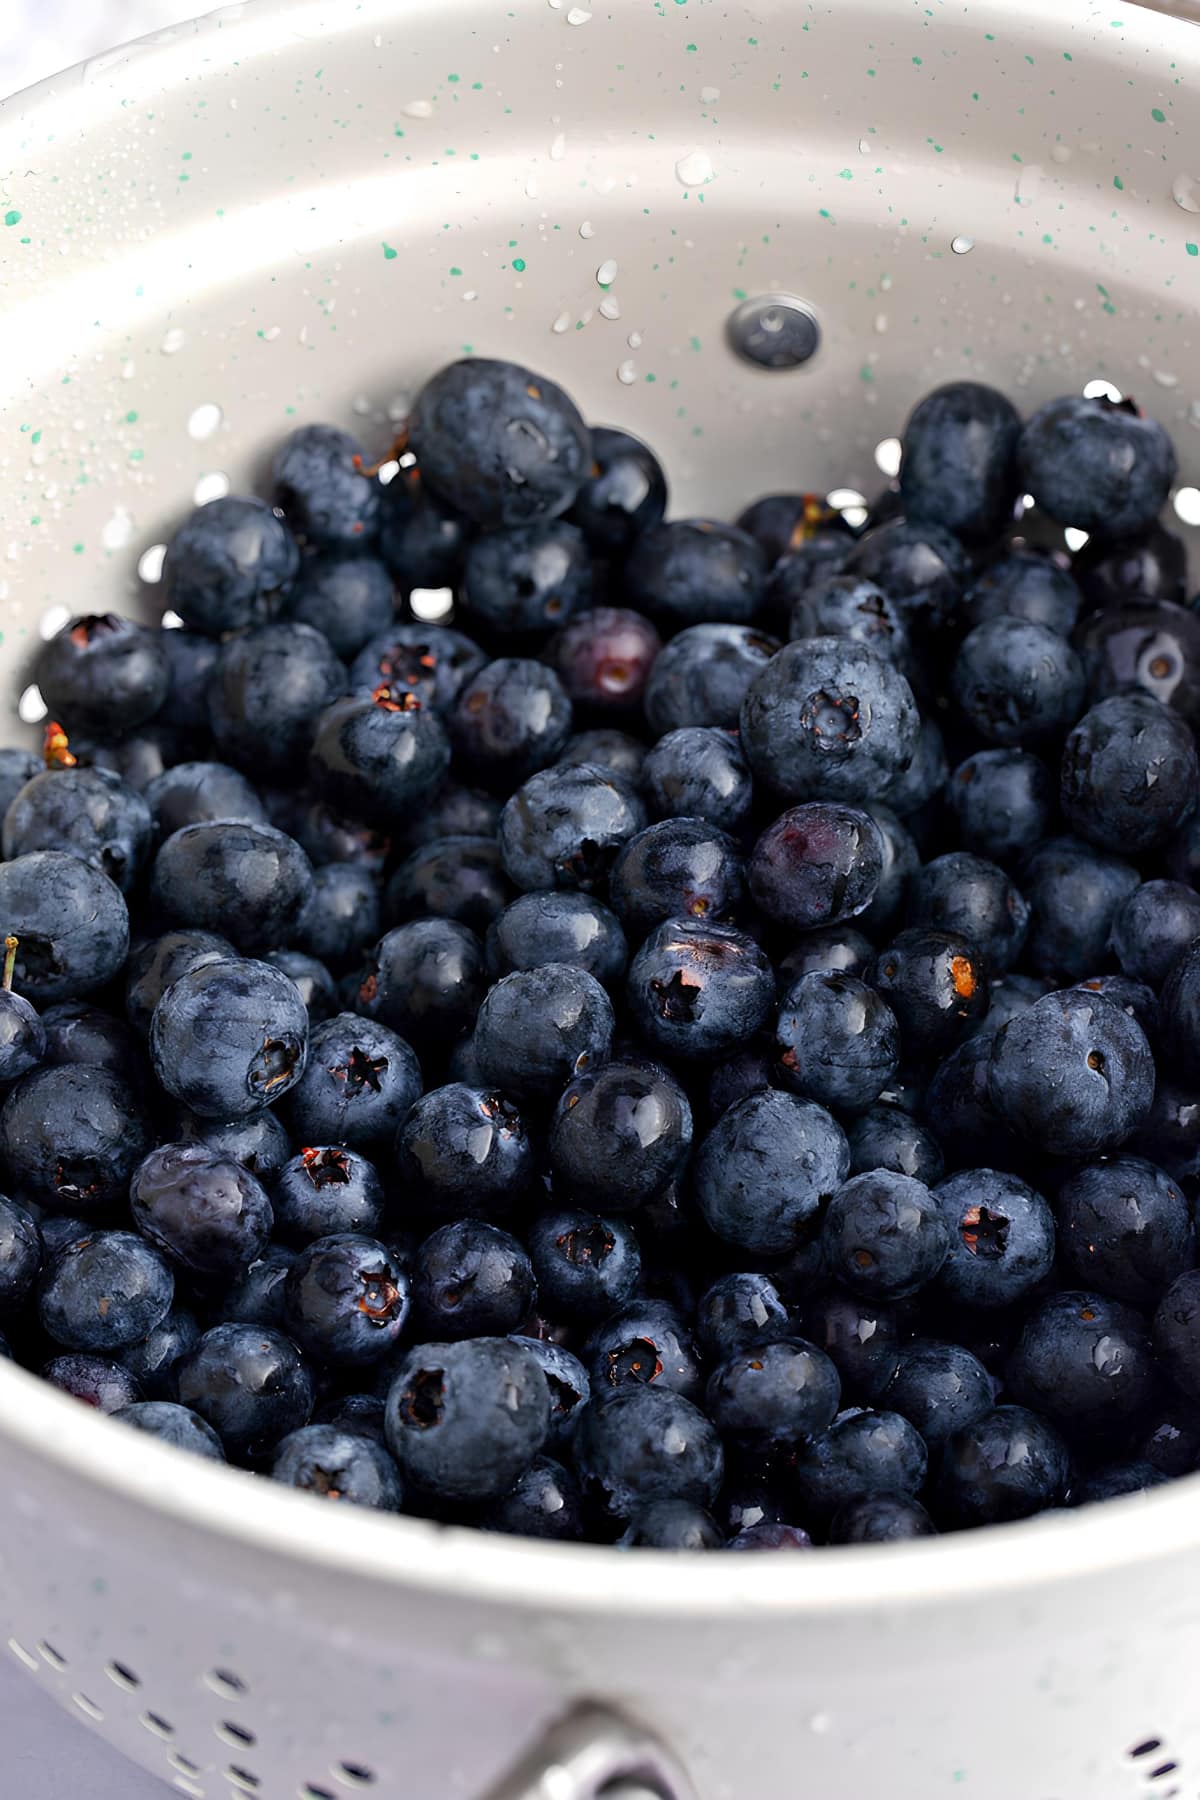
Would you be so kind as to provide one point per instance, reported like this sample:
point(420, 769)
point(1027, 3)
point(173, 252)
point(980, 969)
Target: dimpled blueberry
point(829, 719)
point(71, 1137)
point(464, 1151)
point(838, 1042)
point(359, 1083)
point(249, 1383)
point(960, 459)
point(346, 598)
point(1002, 802)
point(1027, 585)
point(644, 1444)
point(816, 865)
point(677, 868)
point(501, 444)
point(772, 1393)
point(696, 571)
point(564, 827)
point(936, 984)
point(430, 662)
point(1152, 646)
point(229, 1037)
point(203, 1209)
point(698, 990)
point(378, 758)
point(230, 564)
point(268, 690)
point(884, 1235)
point(1002, 1238)
point(1072, 1074)
point(322, 490)
point(1097, 465)
point(963, 893)
point(340, 1466)
point(1129, 774)
point(850, 606)
point(698, 772)
point(70, 921)
point(1074, 893)
point(1125, 1229)
point(1017, 682)
point(539, 1027)
point(528, 578)
point(701, 676)
point(765, 1169)
point(465, 1420)
point(249, 882)
point(562, 927)
point(90, 812)
point(1009, 1464)
point(623, 494)
point(346, 1300)
point(102, 675)
point(103, 1291)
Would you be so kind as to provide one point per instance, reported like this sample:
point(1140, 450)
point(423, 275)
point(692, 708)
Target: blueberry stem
point(10, 958)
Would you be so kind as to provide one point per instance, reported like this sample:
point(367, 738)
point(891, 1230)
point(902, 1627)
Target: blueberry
point(433, 663)
point(921, 567)
point(701, 676)
point(499, 443)
point(464, 1421)
point(1125, 1229)
point(901, 860)
point(1074, 893)
point(312, 981)
point(424, 980)
point(256, 1297)
point(151, 1361)
point(696, 572)
point(1017, 682)
point(829, 719)
point(231, 564)
point(194, 793)
point(1007, 1465)
point(1182, 857)
point(884, 1235)
point(881, 1519)
point(526, 579)
point(671, 1525)
point(102, 675)
point(544, 1502)
point(766, 1168)
point(346, 1300)
point(1170, 1439)
point(940, 1388)
point(229, 1037)
point(75, 1032)
point(104, 1291)
point(697, 990)
point(563, 927)
point(566, 825)
point(421, 539)
point(914, 788)
point(95, 1380)
point(90, 812)
point(459, 878)
point(1151, 646)
point(616, 752)
point(378, 758)
point(1179, 1013)
point(359, 1083)
point(620, 1135)
point(643, 1445)
point(250, 1384)
point(849, 606)
point(770, 1536)
point(471, 1279)
point(204, 1210)
point(266, 694)
point(784, 523)
point(455, 811)
point(23, 1040)
point(586, 1266)
point(361, 1415)
point(20, 1255)
point(963, 893)
point(1114, 1480)
point(698, 772)
point(339, 1465)
point(70, 921)
point(1130, 774)
point(463, 1151)
point(623, 494)
point(508, 721)
point(742, 1073)
point(1002, 802)
point(1084, 1361)
point(643, 1344)
point(678, 868)
point(603, 657)
point(1072, 1074)
point(320, 487)
point(327, 836)
point(326, 1190)
point(862, 1454)
point(175, 1425)
point(71, 1137)
point(773, 1393)
point(1149, 565)
point(345, 597)
point(1098, 465)
point(1025, 584)
point(957, 1108)
point(16, 768)
point(830, 949)
point(935, 983)
point(886, 1137)
point(1177, 1333)
point(259, 1141)
point(960, 459)
point(539, 1027)
point(343, 913)
point(837, 1041)
point(861, 1337)
point(816, 865)
point(251, 882)
point(1013, 994)
point(738, 1312)
point(569, 1384)
point(160, 961)
point(1001, 1234)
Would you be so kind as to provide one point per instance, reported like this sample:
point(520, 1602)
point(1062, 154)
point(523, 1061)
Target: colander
point(296, 209)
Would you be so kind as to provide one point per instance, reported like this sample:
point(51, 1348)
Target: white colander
point(296, 210)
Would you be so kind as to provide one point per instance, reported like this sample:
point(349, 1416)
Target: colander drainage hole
point(49, 1654)
point(242, 1778)
point(87, 1707)
point(354, 1774)
point(122, 1677)
point(23, 1656)
point(156, 1726)
point(183, 1764)
point(229, 1733)
point(309, 1792)
point(225, 1683)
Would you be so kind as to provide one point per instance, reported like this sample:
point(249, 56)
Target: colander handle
point(595, 1754)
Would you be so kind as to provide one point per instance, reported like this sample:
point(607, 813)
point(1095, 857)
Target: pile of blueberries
point(701, 1051)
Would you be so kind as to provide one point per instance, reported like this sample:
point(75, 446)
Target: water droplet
point(1187, 505)
point(431, 603)
point(418, 109)
point(562, 323)
point(204, 420)
point(1165, 379)
point(881, 323)
point(1185, 192)
point(627, 373)
point(173, 340)
point(531, 187)
point(150, 563)
point(31, 707)
point(1029, 177)
point(864, 146)
point(1062, 153)
point(634, 340)
point(709, 94)
point(470, 294)
point(210, 487)
point(962, 246)
point(887, 455)
point(1075, 539)
point(128, 371)
point(694, 169)
point(885, 283)
point(610, 307)
point(558, 147)
point(587, 229)
point(171, 621)
point(1099, 388)
point(578, 15)
point(606, 274)
point(117, 531)
point(55, 617)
